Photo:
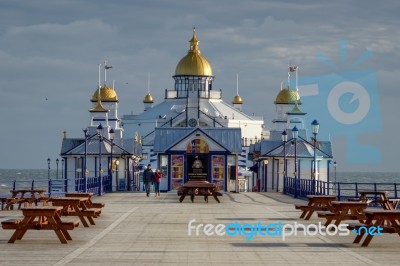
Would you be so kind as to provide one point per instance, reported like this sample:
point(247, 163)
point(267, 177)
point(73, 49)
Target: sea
point(7, 176)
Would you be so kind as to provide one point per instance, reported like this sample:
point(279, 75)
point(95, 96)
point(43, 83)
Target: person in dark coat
point(148, 179)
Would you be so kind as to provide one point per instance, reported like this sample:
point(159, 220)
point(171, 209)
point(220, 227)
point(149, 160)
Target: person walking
point(148, 179)
point(157, 180)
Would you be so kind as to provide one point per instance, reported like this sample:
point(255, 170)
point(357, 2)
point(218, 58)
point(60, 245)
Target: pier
point(135, 230)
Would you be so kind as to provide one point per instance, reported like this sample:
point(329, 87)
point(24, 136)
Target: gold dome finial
point(237, 99)
point(194, 43)
point(148, 98)
point(194, 63)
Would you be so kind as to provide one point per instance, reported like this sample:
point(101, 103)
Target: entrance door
point(197, 167)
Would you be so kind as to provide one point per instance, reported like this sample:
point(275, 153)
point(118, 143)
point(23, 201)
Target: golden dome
point(237, 100)
point(148, 98)
point(107, 94)
point(194, 63)
point(288, 96)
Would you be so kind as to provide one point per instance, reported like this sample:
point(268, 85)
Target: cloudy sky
point(49, 52)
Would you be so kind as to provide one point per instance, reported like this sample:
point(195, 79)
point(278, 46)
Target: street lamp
point(334, 167)
point(112, 133)
point(295, 135)
point(85, 171)
point(57, 161)
point(284, 139)
point(48, 168)
point(62, 169)
point(315, 129)
point(99, 129)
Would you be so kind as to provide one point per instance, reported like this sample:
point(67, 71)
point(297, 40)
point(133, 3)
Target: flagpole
point(297, 70)
point(148, 82)
point(237, 83)
point(105, 72)
point(98, 97)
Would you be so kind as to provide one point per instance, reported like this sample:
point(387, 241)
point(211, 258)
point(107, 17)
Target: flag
point(107, 67)
point(292, 68)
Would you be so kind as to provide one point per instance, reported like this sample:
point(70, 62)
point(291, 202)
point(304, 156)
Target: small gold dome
point(148, 98)
point(288, 96)
point(237, 100)
point(99, 108)
point(194, 63)
point(107, 94)
point(296, 110)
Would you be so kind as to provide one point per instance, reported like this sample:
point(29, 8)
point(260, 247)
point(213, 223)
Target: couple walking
point(150, 177)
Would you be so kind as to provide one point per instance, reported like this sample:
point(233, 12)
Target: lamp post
point(334, 167)
point(112, 133)
point(57, 161)
point(48, 168)
point(85, 171)
point(62, 169)
point(284, 139)
point(315, 129)
point(295, 135)
point(99, 129)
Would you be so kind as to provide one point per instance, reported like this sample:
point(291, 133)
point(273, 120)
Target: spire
point(194, 43)
point(106, 67)
point(148, 99)
point(237, 99)
point(148, 83)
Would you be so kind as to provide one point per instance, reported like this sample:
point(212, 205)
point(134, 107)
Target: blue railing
point(300, 188)
point(59, 186)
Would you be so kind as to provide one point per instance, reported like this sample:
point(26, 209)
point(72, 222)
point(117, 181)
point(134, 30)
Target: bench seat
point(10, 223)
point(91, 212)
point(96, 205)
point(324, 214)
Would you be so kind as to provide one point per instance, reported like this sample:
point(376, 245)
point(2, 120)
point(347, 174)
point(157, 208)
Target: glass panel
point(176, 171)
point(218, 171)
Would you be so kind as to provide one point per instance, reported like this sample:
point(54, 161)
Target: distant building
point(193, 122)
point(102, 149)
point(272, 155)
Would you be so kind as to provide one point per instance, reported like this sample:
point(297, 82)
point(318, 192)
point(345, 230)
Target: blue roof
point(304, 148)
point(229, 138)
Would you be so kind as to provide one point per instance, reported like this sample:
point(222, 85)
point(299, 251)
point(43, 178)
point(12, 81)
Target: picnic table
point(88, 195)
point(316, 203)
point(25, 197)
point(198, 188)
point(387, 220)
point(40, 218)
point(344, 210)
point(76, 207)
point(378, 197)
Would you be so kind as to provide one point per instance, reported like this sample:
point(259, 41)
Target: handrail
point(343, 190)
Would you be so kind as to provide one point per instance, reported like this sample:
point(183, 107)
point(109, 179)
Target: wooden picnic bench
point(315, 203)
point(378, 197)
point(344, 210)
point(198, 188)
point(40, 218)
point(76, 207)
point(88, 195)
point(378, 221)
point(26, 197)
